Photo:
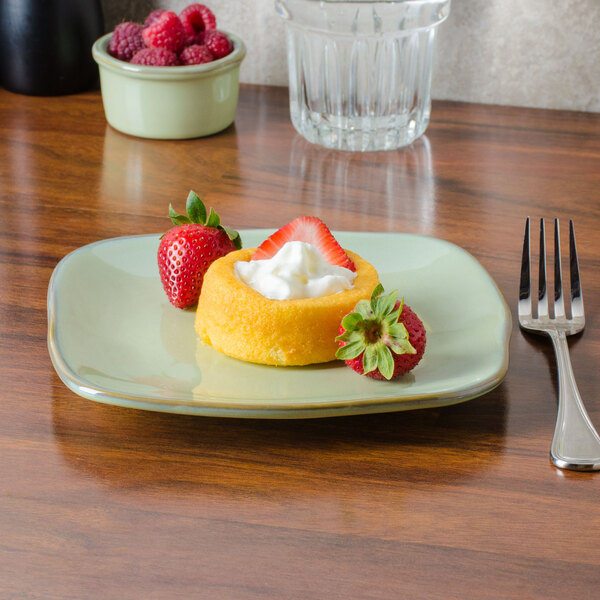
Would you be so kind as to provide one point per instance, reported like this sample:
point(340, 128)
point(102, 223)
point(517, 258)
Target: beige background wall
point(540, 53)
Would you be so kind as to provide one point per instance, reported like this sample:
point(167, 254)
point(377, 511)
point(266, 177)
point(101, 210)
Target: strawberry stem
point(372, 331)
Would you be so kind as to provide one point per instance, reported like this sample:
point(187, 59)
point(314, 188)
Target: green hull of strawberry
point(383, 338)
point(403, 363)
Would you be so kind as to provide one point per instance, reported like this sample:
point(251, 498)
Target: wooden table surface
point(460, 502)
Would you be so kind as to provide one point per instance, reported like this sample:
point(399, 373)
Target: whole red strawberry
point(187, 250)
point(383, 338)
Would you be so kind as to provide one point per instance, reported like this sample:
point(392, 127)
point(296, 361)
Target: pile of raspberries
point(166, 40)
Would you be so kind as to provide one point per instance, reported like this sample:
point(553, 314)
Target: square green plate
point(113, 336)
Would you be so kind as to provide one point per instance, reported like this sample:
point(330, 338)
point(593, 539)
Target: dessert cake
point(239, 321)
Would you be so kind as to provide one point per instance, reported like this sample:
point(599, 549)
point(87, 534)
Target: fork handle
point(576, 444)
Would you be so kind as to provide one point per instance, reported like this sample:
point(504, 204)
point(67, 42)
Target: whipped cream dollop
point(298, 270)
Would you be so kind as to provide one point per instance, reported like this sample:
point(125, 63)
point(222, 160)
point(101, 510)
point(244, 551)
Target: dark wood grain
point(460, 502)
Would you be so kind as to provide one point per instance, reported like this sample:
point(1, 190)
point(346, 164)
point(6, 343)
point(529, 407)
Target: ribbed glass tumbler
point(360, 71)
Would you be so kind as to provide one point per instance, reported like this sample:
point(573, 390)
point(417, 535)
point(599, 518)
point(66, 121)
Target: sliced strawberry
point(310, 230)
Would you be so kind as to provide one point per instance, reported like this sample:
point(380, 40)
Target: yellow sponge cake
point(240, 322)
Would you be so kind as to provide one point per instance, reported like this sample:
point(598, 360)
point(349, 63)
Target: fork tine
point(525, 283)
point(559, 301)
point(576, 293)
point(542, 294)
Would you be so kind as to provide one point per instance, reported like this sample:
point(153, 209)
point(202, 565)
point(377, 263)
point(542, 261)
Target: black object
point(45, 45)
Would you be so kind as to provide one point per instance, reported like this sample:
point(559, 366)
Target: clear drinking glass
point(360, 70)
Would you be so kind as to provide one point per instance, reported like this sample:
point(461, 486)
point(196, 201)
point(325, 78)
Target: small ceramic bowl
point(169, 102)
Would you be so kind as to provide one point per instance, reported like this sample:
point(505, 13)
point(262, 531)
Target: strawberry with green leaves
point(187, 250)
point(383, 338)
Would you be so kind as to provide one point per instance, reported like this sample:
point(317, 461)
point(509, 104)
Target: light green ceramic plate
point(113, 336)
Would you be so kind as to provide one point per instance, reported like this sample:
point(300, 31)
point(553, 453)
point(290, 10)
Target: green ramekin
point(169, 102)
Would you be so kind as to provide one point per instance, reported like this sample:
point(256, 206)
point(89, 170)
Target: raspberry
point(218, 43)
point(196, 55)
point(196, 19)
point(155, 57)
point(166, 32)
point(126, 40)
point(153, 17)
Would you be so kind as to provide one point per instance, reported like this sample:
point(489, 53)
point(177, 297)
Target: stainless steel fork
point(576, 444)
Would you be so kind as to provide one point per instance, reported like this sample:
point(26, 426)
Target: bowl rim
point(104, 59)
